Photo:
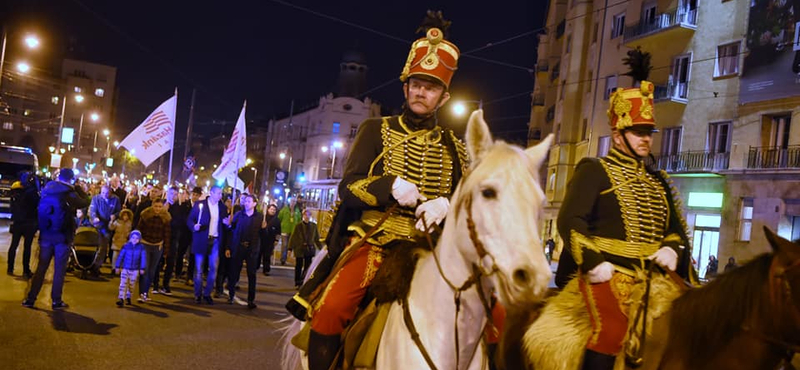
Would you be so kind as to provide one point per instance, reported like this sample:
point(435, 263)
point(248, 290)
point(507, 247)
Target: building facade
point(313, 144)
point(728, 145)
point(32, 105)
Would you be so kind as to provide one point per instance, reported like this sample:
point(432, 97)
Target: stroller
point(84, 250)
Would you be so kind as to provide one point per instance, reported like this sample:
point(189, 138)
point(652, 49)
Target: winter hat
point(135, 232)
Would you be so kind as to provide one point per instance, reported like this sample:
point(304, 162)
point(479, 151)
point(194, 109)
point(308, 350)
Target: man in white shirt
point(205, 221)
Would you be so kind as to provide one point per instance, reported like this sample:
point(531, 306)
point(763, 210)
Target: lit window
point(336, 127)
point(611, 85)
point(54, 100)
point(745, 219)
point(78, 89)
point(8, 126)
point(727, 62)
point(99, 92)
point(618, 25)
point(603, 145)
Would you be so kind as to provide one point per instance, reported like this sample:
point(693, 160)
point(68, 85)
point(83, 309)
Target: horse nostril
point(521, 277)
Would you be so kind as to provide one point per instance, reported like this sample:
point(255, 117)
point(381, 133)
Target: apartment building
point(727, 143)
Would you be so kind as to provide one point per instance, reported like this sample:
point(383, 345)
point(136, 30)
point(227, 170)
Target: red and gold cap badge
point(432, 56)
point(632, 107)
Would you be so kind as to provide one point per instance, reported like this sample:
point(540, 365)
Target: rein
point(478, 272)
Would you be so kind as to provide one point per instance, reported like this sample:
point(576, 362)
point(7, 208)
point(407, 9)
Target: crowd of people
point(151, 238)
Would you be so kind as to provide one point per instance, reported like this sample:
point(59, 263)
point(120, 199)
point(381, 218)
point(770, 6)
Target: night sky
point(270, 52)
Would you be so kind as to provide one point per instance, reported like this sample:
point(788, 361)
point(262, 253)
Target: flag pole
point(236, 172)
point(172, 150)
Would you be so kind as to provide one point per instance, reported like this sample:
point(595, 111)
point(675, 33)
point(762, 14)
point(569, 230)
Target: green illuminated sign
point(705, 200)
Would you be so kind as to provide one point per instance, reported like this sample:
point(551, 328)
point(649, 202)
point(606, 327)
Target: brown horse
point(746, 319)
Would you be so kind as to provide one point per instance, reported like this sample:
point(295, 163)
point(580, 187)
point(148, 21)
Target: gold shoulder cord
point(386, 150)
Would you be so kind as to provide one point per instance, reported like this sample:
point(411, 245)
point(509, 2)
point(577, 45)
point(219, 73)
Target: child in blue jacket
point(133, 260)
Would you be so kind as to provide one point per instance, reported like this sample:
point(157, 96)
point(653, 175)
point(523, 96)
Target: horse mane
point(704, 319)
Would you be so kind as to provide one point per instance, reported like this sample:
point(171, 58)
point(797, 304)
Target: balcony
point(672, 92)
point(674, 25)
point(692, 161)
point(773, 158)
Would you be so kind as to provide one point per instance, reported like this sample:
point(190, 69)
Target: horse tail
point(291, 356)
point(315, 262)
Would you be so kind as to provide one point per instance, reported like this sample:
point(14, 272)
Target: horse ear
point(781, 245)
point(538, 153)
point(478, 137)
point(773, 239)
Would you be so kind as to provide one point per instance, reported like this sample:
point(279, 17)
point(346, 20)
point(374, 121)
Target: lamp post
point(108, 142)
point(31, 42)
point(78, 99)
point(255, 177)
point(335, 145)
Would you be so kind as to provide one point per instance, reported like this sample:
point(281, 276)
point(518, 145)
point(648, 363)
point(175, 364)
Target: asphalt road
point(169, 332)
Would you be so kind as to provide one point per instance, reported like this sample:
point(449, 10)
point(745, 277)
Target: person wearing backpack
point(59, 201)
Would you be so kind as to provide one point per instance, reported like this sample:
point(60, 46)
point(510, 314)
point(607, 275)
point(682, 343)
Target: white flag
point(154, 136)
point(235, 182)
point(235, 156)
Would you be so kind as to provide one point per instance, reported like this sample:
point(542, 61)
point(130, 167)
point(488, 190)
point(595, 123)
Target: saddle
point(557, 339)
point(361, 338)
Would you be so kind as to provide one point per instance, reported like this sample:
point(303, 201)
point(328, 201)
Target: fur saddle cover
point(557, 339)
point(392, 283)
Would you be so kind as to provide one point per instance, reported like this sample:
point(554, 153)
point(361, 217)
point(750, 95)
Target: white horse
point(493, 224)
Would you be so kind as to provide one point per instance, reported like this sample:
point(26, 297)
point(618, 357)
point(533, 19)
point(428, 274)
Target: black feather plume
point(434, 19)
point(638, 63)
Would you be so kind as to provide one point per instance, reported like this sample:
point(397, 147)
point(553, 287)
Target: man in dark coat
point(207, 222)
point(304, 243)
point(244, 246)
point(54, 244)
point(408, 160)
point(618, 217)
point(270, 229)
point(24, 218)
point(179, 213)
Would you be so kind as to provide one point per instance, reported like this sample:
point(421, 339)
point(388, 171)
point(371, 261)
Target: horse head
point(784, 284)
point(502, 200)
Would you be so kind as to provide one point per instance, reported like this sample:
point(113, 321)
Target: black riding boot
point(322, 350)
point(597, 361)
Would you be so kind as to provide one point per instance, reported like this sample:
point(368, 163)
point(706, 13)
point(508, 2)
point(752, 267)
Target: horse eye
point(489, 193)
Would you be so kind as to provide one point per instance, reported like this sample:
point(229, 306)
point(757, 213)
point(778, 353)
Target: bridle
point(478, 272)
point(780, 296)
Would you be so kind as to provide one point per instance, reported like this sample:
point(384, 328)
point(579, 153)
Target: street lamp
point(31, 41)
point(460, 107)
point(23, 67)
point(78, 98)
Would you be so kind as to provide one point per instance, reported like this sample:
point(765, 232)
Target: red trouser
point(495, 328)
point(339, 302)
point(609, 322)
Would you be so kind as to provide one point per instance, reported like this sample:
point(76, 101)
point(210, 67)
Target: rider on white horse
point(408, 160)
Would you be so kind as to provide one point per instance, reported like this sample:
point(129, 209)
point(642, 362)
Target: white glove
point(405, 193)
point(666, 258)
point(601, 273)
point(434, 210)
